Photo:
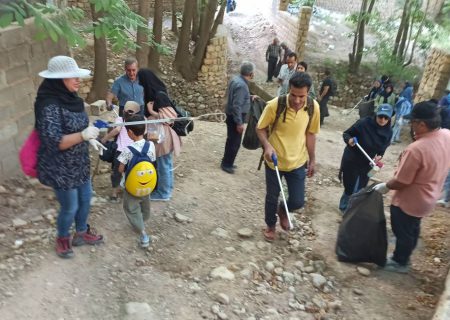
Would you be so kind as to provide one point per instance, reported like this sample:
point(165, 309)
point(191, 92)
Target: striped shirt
point(273, 50)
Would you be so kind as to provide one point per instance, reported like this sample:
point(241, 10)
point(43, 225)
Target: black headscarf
point(386, 94)
point(151, 84)
point(53, 91)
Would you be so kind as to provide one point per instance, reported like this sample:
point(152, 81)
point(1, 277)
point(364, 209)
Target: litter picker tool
point(275, 164)
point(375, 166)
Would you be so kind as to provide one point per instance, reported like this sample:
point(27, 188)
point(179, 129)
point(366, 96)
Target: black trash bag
point(250, 140)
point(362, 235)
point(108, 154)
point(366, 109)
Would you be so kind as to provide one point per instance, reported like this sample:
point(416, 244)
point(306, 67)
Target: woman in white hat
point(63, 157)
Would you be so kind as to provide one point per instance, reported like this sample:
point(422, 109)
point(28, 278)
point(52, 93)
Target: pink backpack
point(28, 154)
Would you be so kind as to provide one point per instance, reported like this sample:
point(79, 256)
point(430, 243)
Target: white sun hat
point(63, 67)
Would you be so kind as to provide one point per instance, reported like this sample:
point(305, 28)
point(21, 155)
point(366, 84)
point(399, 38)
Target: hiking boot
point(63, 247)
point(144, 240)
point(284, 221)
point(90, 236)
point(393, 266)
point(269, 234)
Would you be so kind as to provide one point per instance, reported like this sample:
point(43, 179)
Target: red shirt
point(423, 166)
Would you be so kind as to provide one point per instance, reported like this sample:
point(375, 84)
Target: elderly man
point(417, 182)
point(238, 105)
point(273, 53)
point(126, 87)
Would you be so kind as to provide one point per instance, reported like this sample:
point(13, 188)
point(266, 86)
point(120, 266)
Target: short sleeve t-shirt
point(289, 137)
point(327, 82)
point(285, 75)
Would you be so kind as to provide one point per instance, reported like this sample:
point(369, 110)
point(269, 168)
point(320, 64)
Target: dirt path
point(198, 266)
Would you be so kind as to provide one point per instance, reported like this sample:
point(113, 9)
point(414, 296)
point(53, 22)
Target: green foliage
point(51, 22)
point(387, 64)
point(306, 3)
point(339, 71)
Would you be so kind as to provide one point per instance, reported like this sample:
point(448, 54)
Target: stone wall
point(213, 74)
point(287, 28)
point(436, 75)
point(84, 4)
point(387, 8)
point(21, 59)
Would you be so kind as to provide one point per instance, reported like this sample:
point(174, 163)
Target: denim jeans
point(406, 229)
point(447, 188)
point(165, 177)
point(295, 180)
point(75, 205)
point(232, 144)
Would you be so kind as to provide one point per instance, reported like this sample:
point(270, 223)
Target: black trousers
point(406, 229)
point(323, 109)
point(232, 144)
point(272, 64)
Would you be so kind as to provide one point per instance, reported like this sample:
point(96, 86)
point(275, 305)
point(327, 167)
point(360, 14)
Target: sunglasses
point(383, 117)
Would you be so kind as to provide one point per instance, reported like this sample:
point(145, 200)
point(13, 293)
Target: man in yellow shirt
point(293, 142)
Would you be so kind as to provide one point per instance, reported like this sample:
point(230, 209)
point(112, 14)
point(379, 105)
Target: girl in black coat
point(374, 136)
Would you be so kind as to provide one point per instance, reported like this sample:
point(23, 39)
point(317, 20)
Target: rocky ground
point(208, 259)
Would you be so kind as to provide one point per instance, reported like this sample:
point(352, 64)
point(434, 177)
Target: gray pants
point(137, 210)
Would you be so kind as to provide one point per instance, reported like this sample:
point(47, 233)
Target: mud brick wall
point(22, 58)
point(213, 74)
point(386, 7)
point(84, 4)
point(436, 75)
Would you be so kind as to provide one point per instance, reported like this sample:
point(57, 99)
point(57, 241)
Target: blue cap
point(385, 109)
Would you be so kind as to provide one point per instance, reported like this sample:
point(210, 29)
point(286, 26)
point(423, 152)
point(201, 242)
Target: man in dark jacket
point(238, 105)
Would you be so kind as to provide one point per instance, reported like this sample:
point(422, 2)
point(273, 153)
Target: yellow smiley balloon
point(141, 180)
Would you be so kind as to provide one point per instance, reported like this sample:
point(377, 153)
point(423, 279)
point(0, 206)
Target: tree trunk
point(174, 17)
point(404, 37)
point(219, 19)
point(419, 31)
point(400, 28)
point(182, 60)
point(100, 81)
point(195, 22)
point(142, 35)
point(357, 37)
point(206, 22)
point(153, 56)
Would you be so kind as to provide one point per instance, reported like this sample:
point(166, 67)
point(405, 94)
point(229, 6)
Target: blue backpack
point(138, 157)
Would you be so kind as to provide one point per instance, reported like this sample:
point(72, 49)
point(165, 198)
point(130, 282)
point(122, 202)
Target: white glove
point(381, 188)
point(90, 133)
point(97, 146)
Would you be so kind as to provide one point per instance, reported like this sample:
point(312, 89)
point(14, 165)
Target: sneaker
point(443, 203)
point(114, 199)
point(144, 240)
point(90, 236)
point(393, 266)
point(229, 170)
point(159, 199)
point(63, 247)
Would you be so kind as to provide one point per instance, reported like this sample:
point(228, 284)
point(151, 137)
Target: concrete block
point(97, 107)
point(17, 73)
point(4, 61)
point(6, 94)
point(8, 130)
point(23, 87)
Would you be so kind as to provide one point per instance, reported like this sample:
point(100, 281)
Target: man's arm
point(263, 138)
point(311, 147)
point(109, 98)
point(239, 100)
point(324, 92)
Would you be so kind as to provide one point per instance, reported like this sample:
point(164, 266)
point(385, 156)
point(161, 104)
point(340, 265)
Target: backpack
point(233, 5)
point(362, 235)
point(251, 140)
point(28, 154)
point(282, 108)
point(140, 172)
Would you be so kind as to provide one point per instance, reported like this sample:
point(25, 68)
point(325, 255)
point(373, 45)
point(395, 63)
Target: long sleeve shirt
point(238, 99)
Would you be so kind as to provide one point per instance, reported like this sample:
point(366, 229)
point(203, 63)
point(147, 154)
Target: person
point(123, 141)
point(402, 109)
point(63, 157)
point(417, 182)
point(137, 209)
point(286, 72)
point(302, 66)
point(293, 143)
point(126, 87)
point(386, 96)
point(167, 148)
point(373, 134)
point(273, 53)
point(325, 93)
point(151, 85)
point(238, 105)
point(374, 91)
point(286, 52)
point(444, 106)
point(407, 92)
